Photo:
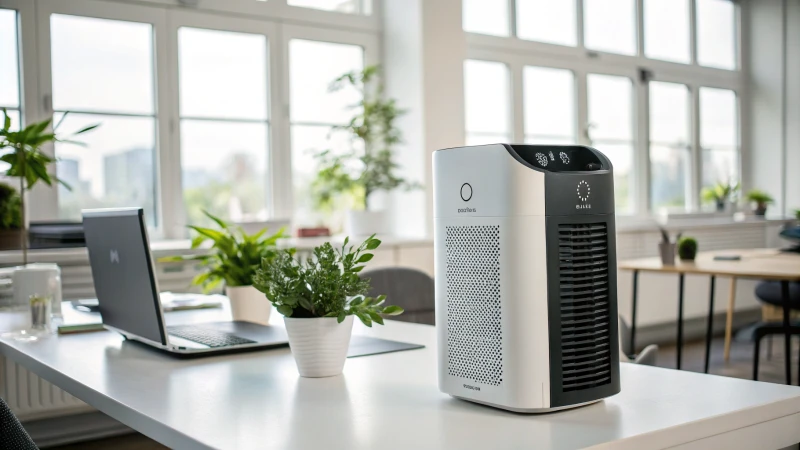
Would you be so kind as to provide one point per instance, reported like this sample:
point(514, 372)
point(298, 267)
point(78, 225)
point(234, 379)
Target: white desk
point(390, 401)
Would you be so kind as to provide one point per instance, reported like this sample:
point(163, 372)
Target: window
point(315, 111)
point(486, 17)
point(670, 149)
point(224, 124)
point(9, 66)
point(611, 130)
point(342, 6)
point(666, 30)
point(486, 102)
point(610, 26)
point(547, 21)
point(719, 136)
point(102, 72)
point(549, 105)
point(716, 33)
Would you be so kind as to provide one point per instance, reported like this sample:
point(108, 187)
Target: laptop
point(127, 292)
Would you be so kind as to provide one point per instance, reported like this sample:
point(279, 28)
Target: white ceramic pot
point(319, 344)
point(364, 223)
point(248, 304)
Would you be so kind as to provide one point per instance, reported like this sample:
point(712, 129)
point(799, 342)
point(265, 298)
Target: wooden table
point(762, 264)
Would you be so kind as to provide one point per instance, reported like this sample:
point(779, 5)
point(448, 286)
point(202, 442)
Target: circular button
point(466, 192)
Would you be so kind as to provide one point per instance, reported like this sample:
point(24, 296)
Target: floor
point(740, 366)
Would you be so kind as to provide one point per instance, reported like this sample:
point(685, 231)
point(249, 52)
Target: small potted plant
point(234, 258)
point(687, 248)
point(10, 218)
point(761, 199)
point(354, 176)
point(318, 299)
point(719, 194)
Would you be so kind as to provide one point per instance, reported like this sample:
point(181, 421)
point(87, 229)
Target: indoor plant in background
point(27, 161)
point(357, 174)
point(720, 194)
point(761, 199)
point(10, 218)
point(318, 299)
point(233, 260)
point(687, 248)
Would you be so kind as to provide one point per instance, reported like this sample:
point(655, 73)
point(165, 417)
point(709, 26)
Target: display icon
point(541, 159)
point(564, 157)
point(583, 190)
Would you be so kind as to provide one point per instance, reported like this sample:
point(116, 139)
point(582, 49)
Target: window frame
point(517, 53)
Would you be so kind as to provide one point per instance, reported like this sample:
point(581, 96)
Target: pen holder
point(41, 312)
point(667, 251)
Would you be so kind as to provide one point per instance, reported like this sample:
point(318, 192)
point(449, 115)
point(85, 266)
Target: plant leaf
point(365, 258)
point(285, 310)
point(392, 310)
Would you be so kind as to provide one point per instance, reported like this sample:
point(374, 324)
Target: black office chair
point(771, 292)
point(12, 435)
point(410, 289)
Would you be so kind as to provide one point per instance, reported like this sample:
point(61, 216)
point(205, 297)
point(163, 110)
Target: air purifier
point(526, 295)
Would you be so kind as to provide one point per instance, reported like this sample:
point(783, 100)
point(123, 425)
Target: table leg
point(729, 320)
point(786, 332)
point(710, 325)
point(680, 319)
point(634, 298)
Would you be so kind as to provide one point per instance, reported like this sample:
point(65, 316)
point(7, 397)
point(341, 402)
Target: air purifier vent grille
point(474, 337)
point(584, 302)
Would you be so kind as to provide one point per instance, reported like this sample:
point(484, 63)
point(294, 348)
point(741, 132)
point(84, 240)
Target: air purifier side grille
point(474, 337)
point(584, 303)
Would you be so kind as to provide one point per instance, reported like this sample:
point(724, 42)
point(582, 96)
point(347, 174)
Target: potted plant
point(234, 258)
point(687, 248)
point(719, 194)
point(26, 160)
point(357, 174)
point(761, 199)
point(10, 218)
point(318, 299)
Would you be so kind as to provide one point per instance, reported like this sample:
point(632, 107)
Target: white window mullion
point(517, 95)
point(696, 150)
point(693, 32)
point(582, 99)
point(641, 183)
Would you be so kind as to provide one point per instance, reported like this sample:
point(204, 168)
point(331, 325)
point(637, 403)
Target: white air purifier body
point(526, 298)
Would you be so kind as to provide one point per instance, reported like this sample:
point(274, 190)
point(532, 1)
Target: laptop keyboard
point(207, 336)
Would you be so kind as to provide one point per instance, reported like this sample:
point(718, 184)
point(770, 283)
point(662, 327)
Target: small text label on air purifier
point(467, 210)
point(587, 206)
point(474, 388)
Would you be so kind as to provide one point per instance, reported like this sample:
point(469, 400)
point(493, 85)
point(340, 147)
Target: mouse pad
point(364, 346)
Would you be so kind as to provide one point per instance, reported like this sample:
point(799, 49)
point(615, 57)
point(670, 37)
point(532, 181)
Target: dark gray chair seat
point(12, 434)
point(410, 289)
point(770, 292)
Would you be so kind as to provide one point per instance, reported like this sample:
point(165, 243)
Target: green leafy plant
point(235, 256)
point(687, 248)
point(10, 208)
point(760, 197)
point(27, 161)
point(797, 214)
point(358, 173)
point(326, 285)
point(720, 193)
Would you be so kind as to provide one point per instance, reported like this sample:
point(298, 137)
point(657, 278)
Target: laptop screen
point(124, 279)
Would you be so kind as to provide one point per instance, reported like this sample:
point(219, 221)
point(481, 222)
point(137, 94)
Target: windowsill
point(624, 225)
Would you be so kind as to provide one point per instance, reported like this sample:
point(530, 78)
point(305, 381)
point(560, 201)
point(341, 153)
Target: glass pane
point(610, 26)
point(486, 138)
point(539, 140)
point(486, 17)
point(669, 175)
point(343, 6)
point(669, 113)
point(621, 156)
point(549, 103)
point(101, 65)
point(666, 30)
point(9, 59)
point(547, 21)
point(716, 33)
point(610, 107)
point(224, 170)
point(312, 67)
point(116, 168)
point(307, 141)
point(222, 74)
point(486, 97)
point(718, 118)
point(720, 165)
